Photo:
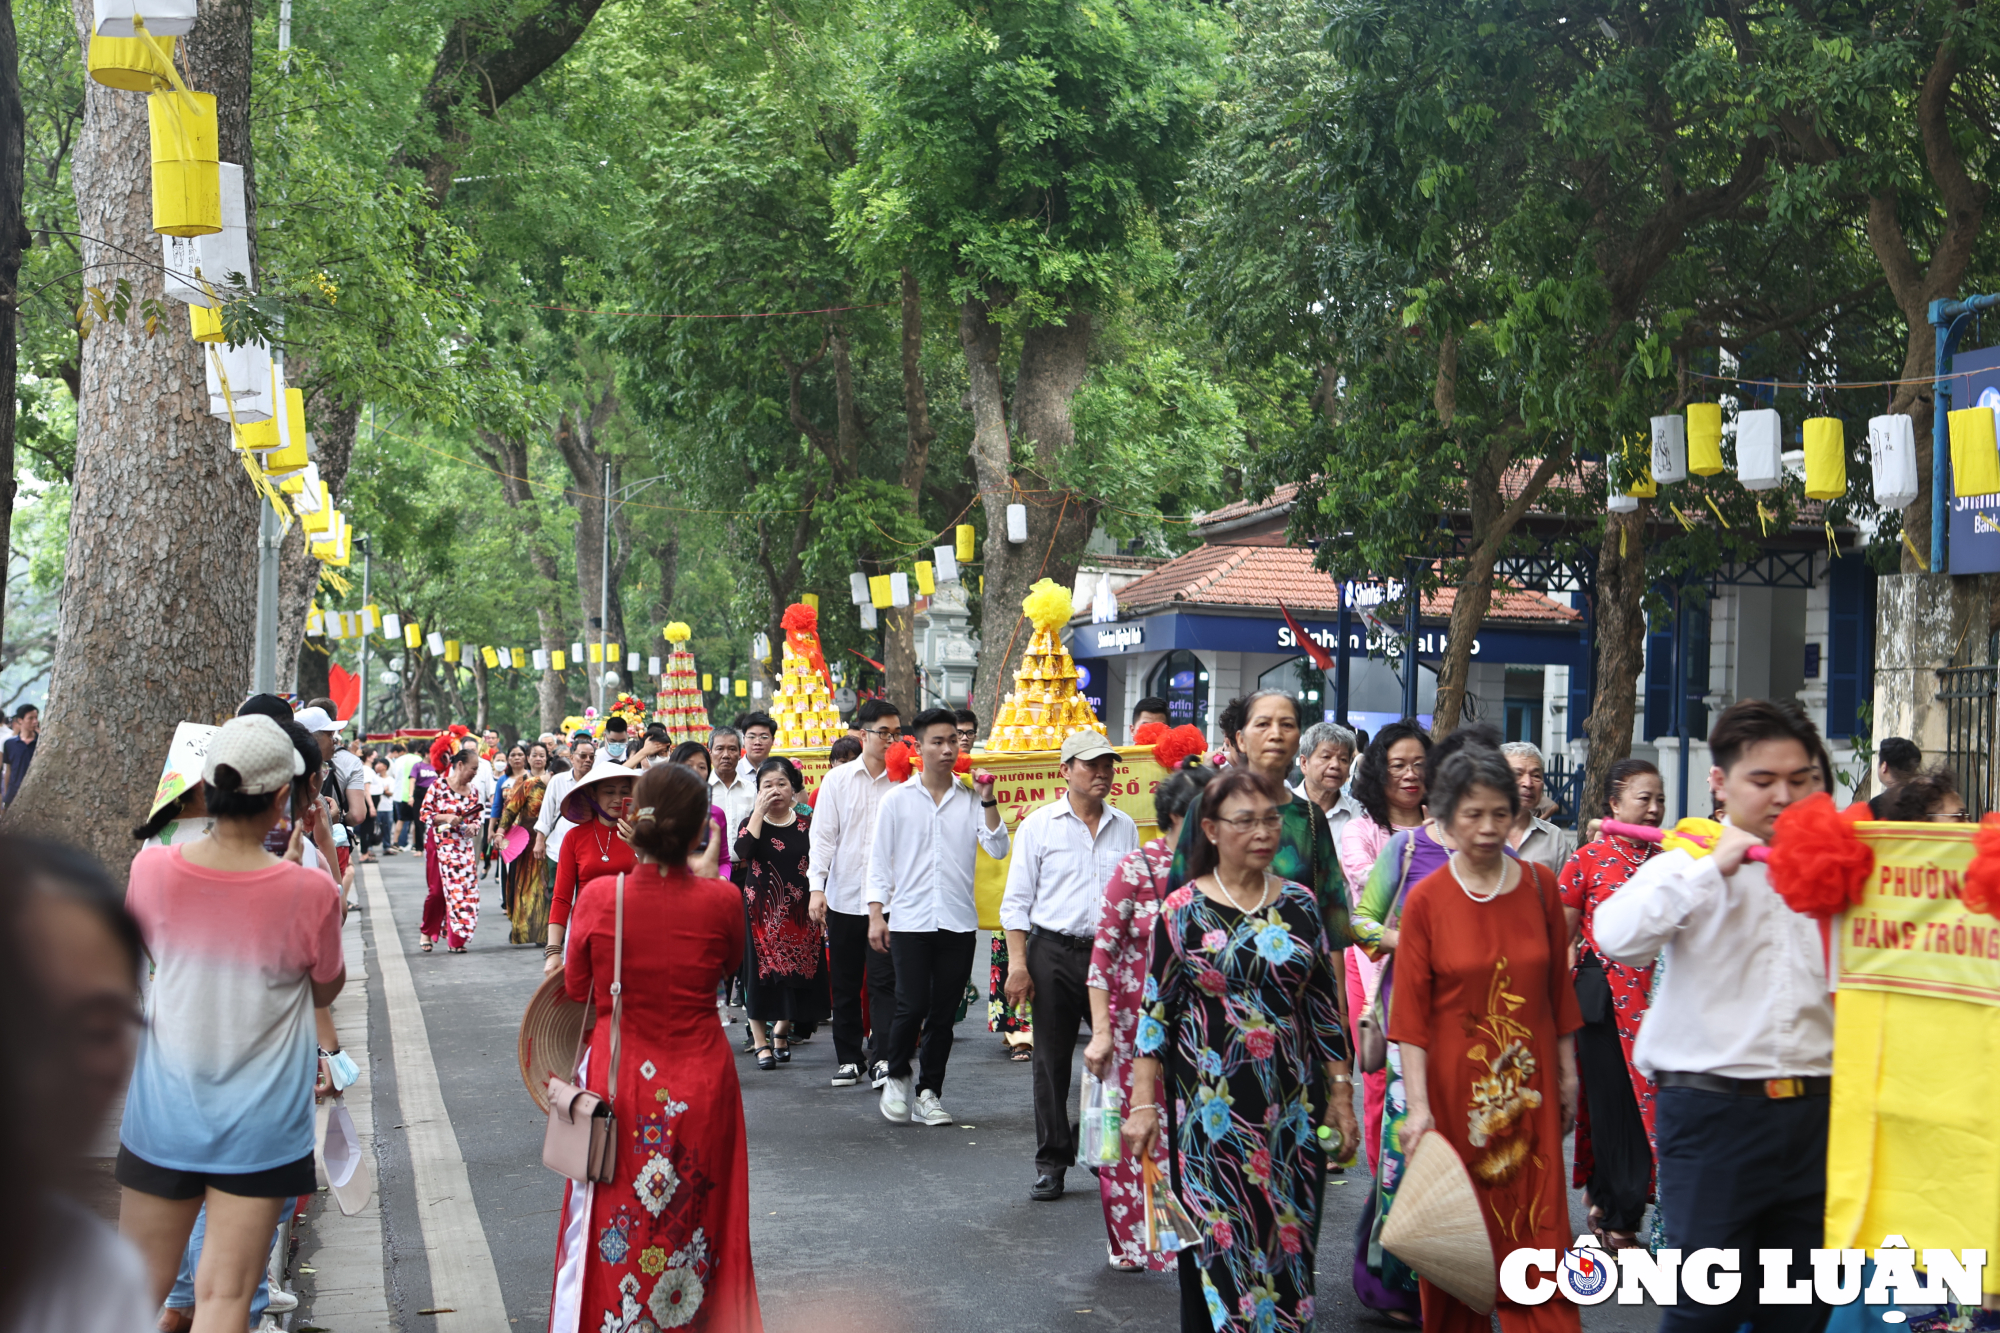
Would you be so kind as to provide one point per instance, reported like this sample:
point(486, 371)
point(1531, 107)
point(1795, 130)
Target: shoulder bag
point(581, 1141)
point(1371, 1030)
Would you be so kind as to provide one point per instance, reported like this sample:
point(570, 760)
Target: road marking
point(463, 1277)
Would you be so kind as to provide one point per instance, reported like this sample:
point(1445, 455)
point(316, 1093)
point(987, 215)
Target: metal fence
point(1565, 784)
point(1967, 695)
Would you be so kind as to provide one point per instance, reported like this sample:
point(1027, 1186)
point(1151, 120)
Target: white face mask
point(616, 749)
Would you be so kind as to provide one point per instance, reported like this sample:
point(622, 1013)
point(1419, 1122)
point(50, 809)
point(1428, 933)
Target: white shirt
point(551, 824)
point(736, 798)
point(921, 861)
point(843, 833)
point(1744, 993)
point(1057, 877)
point(1344, 809)
point(93, 1282)
point(482, 782)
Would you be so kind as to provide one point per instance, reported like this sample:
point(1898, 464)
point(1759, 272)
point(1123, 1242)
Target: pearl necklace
point(1464, 888)
point(1264, 889)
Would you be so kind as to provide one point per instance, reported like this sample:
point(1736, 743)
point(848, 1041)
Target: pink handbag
point(581, 1141)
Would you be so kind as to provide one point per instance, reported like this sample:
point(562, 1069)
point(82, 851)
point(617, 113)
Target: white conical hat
point(1436, 1227)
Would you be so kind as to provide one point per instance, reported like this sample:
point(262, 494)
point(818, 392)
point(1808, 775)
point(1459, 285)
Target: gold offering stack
point(1044, 707)
point(679, 707)
point(806, 716)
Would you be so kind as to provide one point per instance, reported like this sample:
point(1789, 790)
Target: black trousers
point(1743, 1173)
point(1623, 1164)
point(856, 965)
point(1059, 967)
point(932, 967)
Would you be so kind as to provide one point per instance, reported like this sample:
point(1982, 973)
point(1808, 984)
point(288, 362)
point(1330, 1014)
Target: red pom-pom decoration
point(1982, 878)
point(1818, 865)
point(1178, 746)
point(801, 618)
point(1147, 733)
point(963, 763)
point(899, 758)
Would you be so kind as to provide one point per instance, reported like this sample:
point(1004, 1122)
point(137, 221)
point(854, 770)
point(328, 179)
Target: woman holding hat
point(666, 1243)
point(245, 946)
point(1485, 1016)
point(594, 803)
point(784, 959)
point(451, 812)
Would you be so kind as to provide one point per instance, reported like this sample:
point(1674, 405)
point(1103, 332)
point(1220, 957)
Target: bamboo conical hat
point(550, 1031)
point(1435, 1225)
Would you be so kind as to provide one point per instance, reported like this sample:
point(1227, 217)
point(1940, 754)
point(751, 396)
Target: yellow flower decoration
point(652, 1261)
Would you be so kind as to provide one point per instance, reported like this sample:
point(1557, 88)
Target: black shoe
point(1048, 1187)
point(784, 1053)
point(878, 1073)
point(765, 1060)
point(846, 1076)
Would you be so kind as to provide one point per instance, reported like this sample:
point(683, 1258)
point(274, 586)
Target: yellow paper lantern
point(1704, 438)
point(596, 652)
point(187, 177)
point(371, 618)
point(520, 658)
point(256, 437)
point(343, 550)
point(556, 659)
point(742, 688)
point(491, 658)
point(1826, 458)
point(611, 653)
point(318, 520)
point(1639, 463)
point(707, 680)
point(412, 636)
point(206, 323)
point(128, 63)
point(925, 583)
point(964, 536)
point(287, 459)
point(810, 599)
point(1975, 463)
point(880, 593)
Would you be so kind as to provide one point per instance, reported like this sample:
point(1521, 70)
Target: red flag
point(869, 660)
point(1321, 657)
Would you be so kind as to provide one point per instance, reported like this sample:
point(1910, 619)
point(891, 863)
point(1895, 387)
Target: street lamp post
point(361, 708)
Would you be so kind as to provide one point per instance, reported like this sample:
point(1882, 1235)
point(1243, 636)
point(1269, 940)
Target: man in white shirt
point(730, 784)
point(758, 729)
point(550, 826)
point(1064, 855)
point(843, 833)
point(1739, 1036)
point(927, 839)
point(1326, 755)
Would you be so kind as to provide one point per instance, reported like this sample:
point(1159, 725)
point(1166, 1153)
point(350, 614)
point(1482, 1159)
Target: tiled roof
point(1262, 576)
point(1240, 509)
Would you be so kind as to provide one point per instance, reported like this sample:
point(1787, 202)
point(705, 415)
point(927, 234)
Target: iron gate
point(1967, 695)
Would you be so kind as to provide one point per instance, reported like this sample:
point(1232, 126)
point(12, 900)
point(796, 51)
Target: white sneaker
point(930, 1111)
point(896, 1099)
point(282, 1301)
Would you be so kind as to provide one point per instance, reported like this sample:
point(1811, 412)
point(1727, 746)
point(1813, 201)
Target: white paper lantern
point(869, 620)
point(857, 587)
point(1619, 502)
point(946, 561)
point(1017, 523)
point(307, 500)
point(1670, 449)
point(722, 686)
point(1892, 448)
point(436, 642)
point(192, 261)
point(164, 18)
point(1760, 449)
point(652, 664)
point(329, 541)
point(336, 624)
point(392, 626)
point(899, 589)
point(756, 689)
point(576, 652)
point(248, 368)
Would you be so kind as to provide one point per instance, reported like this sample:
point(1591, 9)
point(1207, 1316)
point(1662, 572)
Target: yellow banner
point(1910, 932)
point(1027, 782)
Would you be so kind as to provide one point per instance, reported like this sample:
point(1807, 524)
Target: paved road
point(856, 1224)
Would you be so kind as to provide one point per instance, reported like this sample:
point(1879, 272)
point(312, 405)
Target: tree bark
point(508, 456)
point(13, 240)
point(159, 595)
point(899, 639)
point(479, 688)
point(576, 439)
point(1054, 360)
point(1621, 640)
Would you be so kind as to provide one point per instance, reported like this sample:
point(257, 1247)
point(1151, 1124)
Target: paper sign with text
point(1911, 932)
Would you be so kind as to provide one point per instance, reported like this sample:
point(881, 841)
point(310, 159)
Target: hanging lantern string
point(257, 478)
point(1822, 386)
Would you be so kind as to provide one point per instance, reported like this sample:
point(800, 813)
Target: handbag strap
point(617, 986)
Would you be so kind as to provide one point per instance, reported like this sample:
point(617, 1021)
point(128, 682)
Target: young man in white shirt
point(1739, 1036)
point(927, 839)
point(759, 730)
point(732, 785)
point(843, 834)
point(1064, 854)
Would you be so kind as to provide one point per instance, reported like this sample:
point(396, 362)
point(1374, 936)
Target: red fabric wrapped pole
point(1818, 864)
point(1982, 878)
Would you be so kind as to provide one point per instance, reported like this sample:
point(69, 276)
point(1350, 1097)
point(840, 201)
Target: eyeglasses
point(1948, 816)
point(1399, 768)
point(886, 733)
point(1245, 823)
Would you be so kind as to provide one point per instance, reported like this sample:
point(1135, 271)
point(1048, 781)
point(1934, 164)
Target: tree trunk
point(159, 596)
point(899, 639)
point(508, 456)
point(13, 239)
point(576, 439)
point(1054, 360)
point(479, 688)
point(1621, 642)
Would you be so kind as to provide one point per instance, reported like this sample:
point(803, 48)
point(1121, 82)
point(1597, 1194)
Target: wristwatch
point(989, 804)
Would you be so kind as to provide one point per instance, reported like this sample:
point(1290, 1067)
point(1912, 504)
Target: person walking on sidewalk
point(1064, 854)
point(452, 812)
point(927, 839)
point(843, 832)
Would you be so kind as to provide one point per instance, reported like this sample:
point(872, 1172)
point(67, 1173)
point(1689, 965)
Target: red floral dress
point(1598, 870)
point(1118, 966)
point(457, 859)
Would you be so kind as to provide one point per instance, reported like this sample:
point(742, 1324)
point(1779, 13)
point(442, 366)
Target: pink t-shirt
point(226, 1064)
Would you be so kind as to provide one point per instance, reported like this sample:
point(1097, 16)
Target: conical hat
point(1436, 1227)
point(550, 1031)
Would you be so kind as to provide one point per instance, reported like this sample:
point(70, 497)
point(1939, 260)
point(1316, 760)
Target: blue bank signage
point(1555, 646)
point(1975, 519)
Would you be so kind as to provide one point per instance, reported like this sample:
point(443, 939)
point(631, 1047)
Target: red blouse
point(588, 850)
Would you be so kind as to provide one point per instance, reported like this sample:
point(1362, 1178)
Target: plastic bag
point(1101, 1125)
point(1169, 1229)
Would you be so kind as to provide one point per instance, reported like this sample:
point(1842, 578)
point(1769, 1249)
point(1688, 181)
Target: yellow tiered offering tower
point(807, 719)
point(679, 707)
point(1044, 707)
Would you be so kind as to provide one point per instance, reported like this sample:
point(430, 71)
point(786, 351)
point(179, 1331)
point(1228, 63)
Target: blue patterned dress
point(1247, 1003)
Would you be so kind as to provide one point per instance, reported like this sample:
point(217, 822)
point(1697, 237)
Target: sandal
point(424, 944)
point(457, 950)
point(765, 1059)
point(1022, 1054)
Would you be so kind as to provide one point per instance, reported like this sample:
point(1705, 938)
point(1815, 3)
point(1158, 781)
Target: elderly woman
point(784, 957)
point(1326, 756)
point(1485, 1018)
point(1117, 983)
point(451, 813)
point(1243, 1017)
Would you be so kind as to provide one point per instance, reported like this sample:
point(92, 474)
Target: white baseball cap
point(315, 719)
point(260, 755)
